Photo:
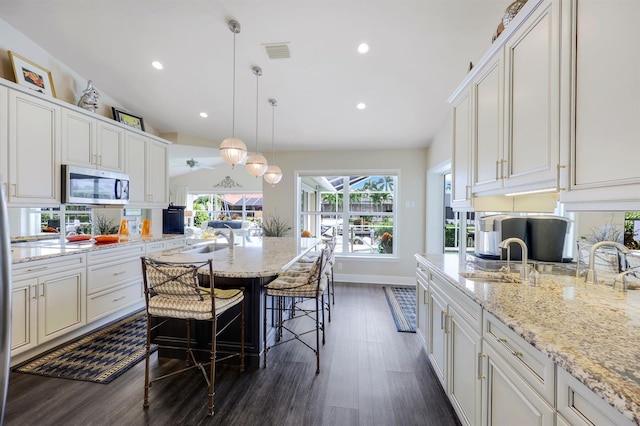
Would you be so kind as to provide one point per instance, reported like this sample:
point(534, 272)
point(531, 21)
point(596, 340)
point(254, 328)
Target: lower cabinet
point(48, 300)
point(422, 302)
point(114, 280)
point(454, 346)
point(508, 397)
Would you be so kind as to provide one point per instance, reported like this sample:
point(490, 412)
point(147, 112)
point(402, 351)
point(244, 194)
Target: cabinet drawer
point(534, 366)
point(108, 255)
point(468, 308)
point(174, 243)
point(422, 275)
point(110, 301)
point(44, 266)
point(580, 406)
point(154, 247)
point(106, 275)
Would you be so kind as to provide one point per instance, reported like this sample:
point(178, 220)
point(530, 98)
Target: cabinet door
point(78, 139)
point(461, 164)
point(34, 162)
point(422, 302)
point(488, 126)
point(606, 143)
point(437, 335)
point(532, 139)
point(61, 306)
point(135, 167)
point(110, 147)
point(508, 398)
point(157, 180)
point(4, 133)
point(24, 307)
point(464, 389)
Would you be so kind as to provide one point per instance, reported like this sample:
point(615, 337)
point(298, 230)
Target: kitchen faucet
point(230, 237)
point(591, 272)
point(506, 244)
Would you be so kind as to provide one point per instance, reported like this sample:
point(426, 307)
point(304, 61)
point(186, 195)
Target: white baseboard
point(376, 279)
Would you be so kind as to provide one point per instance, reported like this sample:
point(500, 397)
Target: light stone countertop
point(46, 249)
point(263, 257)
point(589, 330)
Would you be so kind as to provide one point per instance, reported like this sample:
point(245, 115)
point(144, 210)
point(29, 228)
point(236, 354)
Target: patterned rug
point(402, 302)
point(98, 357)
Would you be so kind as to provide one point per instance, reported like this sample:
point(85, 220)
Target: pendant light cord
point(257, 85)
point(273, 126)
point(233, 110)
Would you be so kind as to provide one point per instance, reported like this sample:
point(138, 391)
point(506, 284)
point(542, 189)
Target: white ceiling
point(419, 52)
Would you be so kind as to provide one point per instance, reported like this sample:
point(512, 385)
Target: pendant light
point(273, 173)
point(233, 150)
point(256, 164)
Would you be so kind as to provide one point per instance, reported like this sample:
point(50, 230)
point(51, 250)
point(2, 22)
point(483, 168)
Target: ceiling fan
point(193, 165)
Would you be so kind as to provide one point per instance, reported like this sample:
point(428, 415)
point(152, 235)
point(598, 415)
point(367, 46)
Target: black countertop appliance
point(173, 220)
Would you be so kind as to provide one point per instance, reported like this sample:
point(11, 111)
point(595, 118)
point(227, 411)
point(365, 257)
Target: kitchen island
point(251, 265)
point(587, 334)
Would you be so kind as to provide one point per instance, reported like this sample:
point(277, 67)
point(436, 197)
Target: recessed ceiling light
point(363, 48)
point(204, 115)
point(157, 65)
point(361, 105)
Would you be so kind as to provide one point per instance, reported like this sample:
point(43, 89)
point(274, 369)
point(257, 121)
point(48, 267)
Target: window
point(452, 222)
point(228, 206)
point(76, 219)
point(360, 210)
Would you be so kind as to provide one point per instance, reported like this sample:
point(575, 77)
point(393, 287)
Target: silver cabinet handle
point(119, 273)
point(558, 167)
point(42, 268)
point(442, 319)
point(480, 365)
point(33, 293)
point(425, 299)
point(119, 298)
point(42, 290)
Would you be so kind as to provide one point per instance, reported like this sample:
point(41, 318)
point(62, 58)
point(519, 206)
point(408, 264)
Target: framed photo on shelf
point(127, 118)
point(32, 75)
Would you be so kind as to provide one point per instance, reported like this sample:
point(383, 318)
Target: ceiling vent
point(277, 50)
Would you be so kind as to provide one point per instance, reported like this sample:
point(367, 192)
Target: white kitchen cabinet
point(461, 164)
point(34, 154)
point(487, 136)
point(455, 345)
point(48, 300)
point(422, 302)
point(531, 155)
point(147, 166)
point(4, 133)
point(114, 280)
point(508, 398)
point(601, 52)
point(165, 244)
point(81, 145)
point(578, 405)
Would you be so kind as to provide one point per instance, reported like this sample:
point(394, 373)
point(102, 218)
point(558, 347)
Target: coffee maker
point(493, 229)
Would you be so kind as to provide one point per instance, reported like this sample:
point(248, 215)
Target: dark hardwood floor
point(370, 375)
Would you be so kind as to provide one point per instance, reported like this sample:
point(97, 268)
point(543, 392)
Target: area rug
point(98, 357)
point(402, 302)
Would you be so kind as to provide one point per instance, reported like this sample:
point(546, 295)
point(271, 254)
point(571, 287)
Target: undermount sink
point(496, 277)
point(206, 248)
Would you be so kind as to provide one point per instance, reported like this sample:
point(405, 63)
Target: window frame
point(345, 212)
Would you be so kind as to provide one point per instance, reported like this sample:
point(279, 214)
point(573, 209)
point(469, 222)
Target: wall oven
point(87, 186)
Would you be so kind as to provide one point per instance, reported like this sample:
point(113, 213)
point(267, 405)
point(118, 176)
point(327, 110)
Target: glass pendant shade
point(233, 151)
point(273, 175)
point(256, 165)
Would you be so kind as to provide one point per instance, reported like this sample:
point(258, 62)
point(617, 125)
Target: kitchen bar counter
point(589, 330)
point(264, 257)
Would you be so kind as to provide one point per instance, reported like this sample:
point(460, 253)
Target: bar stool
point(290, 290)
point(172, 291)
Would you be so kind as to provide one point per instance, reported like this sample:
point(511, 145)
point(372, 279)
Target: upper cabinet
point(603, 111)
point(90, 142)
point(33, 145)
point(4, 133)
point(461, 170)
point(147, 166)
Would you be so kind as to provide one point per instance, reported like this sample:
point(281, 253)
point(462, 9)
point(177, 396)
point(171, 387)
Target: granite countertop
point(590, 330)
point(264, 257)
point(44, 249)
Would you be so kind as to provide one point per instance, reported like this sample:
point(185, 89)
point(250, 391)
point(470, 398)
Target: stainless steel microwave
point(82, 185)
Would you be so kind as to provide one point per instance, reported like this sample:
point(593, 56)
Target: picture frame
point(31, 75)
point(128, 119)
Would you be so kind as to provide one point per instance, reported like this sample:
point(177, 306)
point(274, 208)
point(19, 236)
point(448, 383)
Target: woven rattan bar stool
point(172, 291)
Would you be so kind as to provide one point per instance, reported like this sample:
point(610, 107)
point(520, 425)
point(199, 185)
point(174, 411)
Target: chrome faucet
point(591, 272)
point(231, 237)
point(622, 279)
point(506, 245)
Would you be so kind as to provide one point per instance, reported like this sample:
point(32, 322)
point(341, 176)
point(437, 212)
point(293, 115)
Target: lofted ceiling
point(419, 52)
